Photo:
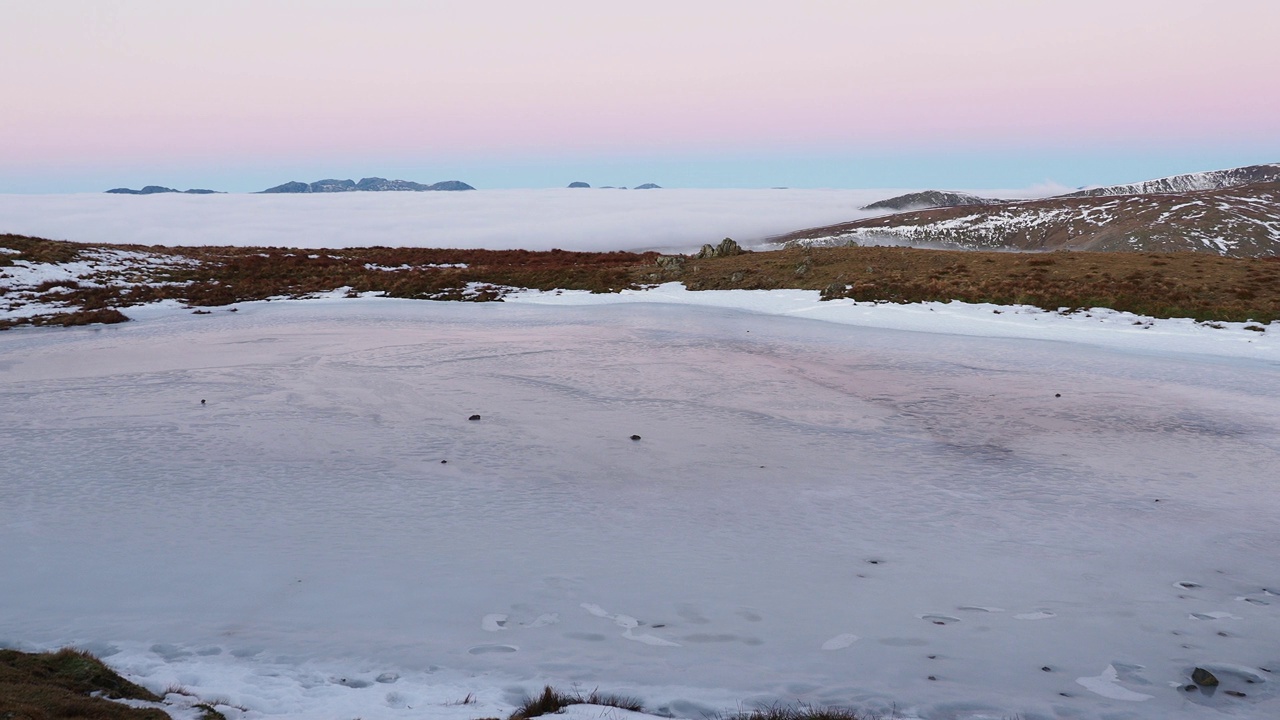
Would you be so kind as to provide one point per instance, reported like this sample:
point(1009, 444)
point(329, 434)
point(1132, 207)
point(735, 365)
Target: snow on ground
point(930, 510)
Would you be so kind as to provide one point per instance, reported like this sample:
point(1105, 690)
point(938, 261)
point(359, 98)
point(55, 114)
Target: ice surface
point(823, 512)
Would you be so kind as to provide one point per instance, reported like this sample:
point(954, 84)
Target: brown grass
point(1196, 285)
point(45, 686)
point(1200, 286)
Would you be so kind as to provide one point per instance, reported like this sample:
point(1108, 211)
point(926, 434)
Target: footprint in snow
point(939, 619)
point(840, 642)
point(1216, 615)
point(629, 625)
point(691, 613)
point(1037, 615)
point(492, 649)
point(544, 620)
point(1108, 686)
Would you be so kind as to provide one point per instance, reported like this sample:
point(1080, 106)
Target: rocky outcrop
point(928, 199)
point(726, 248)
point(579, 185)
point(648, 186)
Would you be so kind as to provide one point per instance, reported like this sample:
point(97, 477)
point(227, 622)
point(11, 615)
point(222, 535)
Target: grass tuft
point(45, 686)
point(552, 701)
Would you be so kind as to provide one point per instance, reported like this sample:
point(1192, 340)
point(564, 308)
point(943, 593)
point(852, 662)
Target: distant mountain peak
point(160, 190)
point(369, 184)
point(928, 199)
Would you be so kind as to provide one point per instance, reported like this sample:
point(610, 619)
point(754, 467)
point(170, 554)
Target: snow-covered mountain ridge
point(1203, 212)
point(1190, 182)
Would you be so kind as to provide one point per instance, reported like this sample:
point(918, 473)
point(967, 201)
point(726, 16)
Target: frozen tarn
point(945, 525)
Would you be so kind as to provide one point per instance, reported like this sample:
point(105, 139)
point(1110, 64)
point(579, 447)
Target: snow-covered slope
point(1241, 221)
point(1210, 180)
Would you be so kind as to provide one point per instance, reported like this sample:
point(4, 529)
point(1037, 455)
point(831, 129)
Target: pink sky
point(169, 81)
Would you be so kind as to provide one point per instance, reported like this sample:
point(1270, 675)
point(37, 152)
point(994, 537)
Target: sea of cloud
point(590, 220)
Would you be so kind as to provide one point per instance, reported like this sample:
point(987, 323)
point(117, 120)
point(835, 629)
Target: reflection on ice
point(818, 512)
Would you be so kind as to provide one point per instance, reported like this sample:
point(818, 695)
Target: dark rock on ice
point(635, 437)
point(474, 417)
point(1204, 678)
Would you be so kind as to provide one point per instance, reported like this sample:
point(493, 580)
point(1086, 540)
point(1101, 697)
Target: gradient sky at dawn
point(239, 95)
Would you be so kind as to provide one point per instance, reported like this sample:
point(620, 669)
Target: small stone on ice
point(1203, 678)
point(635, 437)
point(474, 417)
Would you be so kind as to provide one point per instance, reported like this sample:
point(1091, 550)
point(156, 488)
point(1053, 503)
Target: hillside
point(46, 282)
point(1233, 221)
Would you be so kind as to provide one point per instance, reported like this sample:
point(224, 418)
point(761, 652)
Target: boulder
point(726, 248)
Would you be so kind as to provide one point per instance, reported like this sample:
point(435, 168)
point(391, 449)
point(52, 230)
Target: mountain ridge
point(161, 190)
point(369, 184)
point(1233, 213)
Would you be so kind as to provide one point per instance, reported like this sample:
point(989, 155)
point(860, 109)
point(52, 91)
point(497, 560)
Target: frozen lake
point(946, 525)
